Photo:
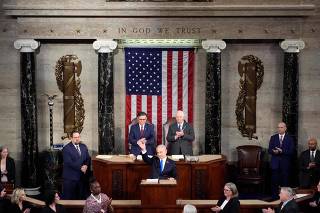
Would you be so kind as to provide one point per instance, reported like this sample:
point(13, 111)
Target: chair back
point(249, 159)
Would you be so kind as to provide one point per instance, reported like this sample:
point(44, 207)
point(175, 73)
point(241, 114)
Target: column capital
point(292, 45)
point(213, 46)
point(104, 45)
point(26, 45)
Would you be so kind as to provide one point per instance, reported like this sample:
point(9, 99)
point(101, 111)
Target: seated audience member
point(287, 205)
point(51, 199)
point(141, 132)
point(3, 203)
point(97, 201)
point(309, 165)
point(7, 166)
point(17, 202)
point(162, 166)
point(315, 202)
point(188, 208)
point(230, 203)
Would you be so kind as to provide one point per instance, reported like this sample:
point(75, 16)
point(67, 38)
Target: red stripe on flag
point(128, 120)
point(180, 80)
point(190, 86)
point(159, 120)
point(139, 103)
point(149, 108)
point(169, 84)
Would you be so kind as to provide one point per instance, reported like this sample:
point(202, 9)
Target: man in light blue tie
point(162, 166)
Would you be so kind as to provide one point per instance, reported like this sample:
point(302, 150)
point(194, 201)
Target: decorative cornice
point(105, 45)
point(292, 45)
point(26, 45)
point(213, 46)
point(101, 8)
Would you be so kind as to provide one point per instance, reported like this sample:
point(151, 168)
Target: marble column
point(213, 96)
point(290, 105)
point(105, 94)
point(29, 130)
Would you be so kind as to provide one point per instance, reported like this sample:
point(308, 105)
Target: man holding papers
point(162, 166)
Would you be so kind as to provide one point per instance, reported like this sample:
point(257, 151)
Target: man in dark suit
point(180, 136)
point(162, 166)
point(287, 205)
point(76, 168)
point(281, 149)
point(309, 165)
point(143, 132)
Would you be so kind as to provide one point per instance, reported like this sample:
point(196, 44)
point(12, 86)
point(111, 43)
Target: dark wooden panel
point(195, 180)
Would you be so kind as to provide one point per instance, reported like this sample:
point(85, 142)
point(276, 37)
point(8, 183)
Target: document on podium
point(150, 181)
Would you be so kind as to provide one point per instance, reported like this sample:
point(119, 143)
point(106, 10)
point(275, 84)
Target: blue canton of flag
point(143, 68)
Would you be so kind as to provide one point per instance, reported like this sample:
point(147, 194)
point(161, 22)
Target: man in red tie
point(281, 149)
point(142, 132)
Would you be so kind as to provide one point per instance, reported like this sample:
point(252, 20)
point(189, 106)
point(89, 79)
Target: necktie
point(78, 149)
point(312, 156)
point(161, 166)
point(141, 131)
point(281, 139)
point(179, 126)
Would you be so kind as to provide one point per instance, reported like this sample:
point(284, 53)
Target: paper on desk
point(104, 157)
point(177, 157)
point(300, 195)
point(151, 181)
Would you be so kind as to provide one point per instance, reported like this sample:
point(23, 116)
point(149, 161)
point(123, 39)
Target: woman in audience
point(7, 166)
point(230, 203)
point(315, 203)
point(97, 201)
point(51, 198)
point(17, 204)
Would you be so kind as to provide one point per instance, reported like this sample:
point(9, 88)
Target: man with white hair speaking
point(180, 136)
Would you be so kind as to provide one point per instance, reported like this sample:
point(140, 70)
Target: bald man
point(162, 166)
point(309, 165)
point(281, 149)
point(180, 136)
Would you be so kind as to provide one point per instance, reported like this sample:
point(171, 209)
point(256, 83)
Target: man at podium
point(162, 166)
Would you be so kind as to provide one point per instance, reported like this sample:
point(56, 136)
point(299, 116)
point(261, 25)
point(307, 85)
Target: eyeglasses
point(226, 190)
point(142, 119)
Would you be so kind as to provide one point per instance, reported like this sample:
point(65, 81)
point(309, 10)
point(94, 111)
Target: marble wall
point(269, 96)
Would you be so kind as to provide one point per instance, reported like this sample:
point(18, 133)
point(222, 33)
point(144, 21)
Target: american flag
point(159, 82)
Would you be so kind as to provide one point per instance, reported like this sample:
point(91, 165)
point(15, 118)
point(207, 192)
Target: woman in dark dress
point(7, 166)
point(230, 203)
point(51, 199)
point(17, 202)
point(315, 203)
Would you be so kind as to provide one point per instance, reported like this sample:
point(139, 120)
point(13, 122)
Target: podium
point(164, 192)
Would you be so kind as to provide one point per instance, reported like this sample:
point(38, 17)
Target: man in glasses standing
point(142, 132)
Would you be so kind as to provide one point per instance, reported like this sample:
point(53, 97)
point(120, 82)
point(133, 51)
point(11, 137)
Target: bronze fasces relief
point(251, 71)
point(68, 69)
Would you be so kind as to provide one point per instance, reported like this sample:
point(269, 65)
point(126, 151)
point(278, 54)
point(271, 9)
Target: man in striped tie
point(142, 132)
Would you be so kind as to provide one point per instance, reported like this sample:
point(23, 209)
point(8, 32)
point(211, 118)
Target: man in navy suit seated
point(76, 167)
point(162, 166)
point(142, 132)
point(281, 149)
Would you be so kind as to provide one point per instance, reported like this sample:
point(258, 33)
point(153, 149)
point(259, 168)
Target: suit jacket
point(290, 207)
point(72, 162)
point(169, 169)
point(135, 135)
point(281, 160)
point(11, 169)
point(183, 143)
point(233, 205)
point(309, 176)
